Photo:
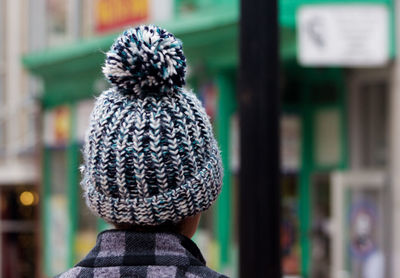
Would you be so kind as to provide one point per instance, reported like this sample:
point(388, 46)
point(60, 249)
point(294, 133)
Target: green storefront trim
point(226, 108)
point(71, 153)
point(306, 109)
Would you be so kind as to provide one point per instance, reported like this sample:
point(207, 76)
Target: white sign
point(343, 35)
point(161, 10)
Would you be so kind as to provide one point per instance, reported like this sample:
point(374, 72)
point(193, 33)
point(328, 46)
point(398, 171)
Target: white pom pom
point(146, 58)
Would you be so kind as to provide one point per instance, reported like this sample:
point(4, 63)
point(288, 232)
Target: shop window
point(57, 25)
point(87, 18)
point(327, 148)
point(291, 134)
point(373, 124)
point(369, 124)
point(19, 206)
point(58, 224)
point(320, 220)
point(63, 21)
point(360, 236)
point(19, 254)
point(290, 241)
point(58, 172)
point(290, 143)
point(18, 203)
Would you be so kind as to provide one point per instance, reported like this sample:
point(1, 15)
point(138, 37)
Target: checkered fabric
point(150, 155)
point(142, 255)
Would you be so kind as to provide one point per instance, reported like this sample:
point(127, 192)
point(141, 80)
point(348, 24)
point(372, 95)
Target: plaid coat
point(130, 254)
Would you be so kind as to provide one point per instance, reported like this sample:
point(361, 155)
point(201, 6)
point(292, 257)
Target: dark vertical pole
point(259, 223)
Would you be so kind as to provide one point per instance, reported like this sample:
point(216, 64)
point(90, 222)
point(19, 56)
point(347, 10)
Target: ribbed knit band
point(150, 158)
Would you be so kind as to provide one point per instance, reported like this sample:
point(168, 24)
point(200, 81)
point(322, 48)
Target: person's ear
point(188, 226)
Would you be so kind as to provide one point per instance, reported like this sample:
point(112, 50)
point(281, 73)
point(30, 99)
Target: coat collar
point(131, 248)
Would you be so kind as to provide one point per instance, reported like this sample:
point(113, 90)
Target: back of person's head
point(150, 156)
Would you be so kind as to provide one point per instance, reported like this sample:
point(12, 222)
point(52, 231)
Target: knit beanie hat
point(150, 155)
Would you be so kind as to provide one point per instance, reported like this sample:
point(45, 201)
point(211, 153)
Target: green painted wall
point(288, 8)
point(223, 218)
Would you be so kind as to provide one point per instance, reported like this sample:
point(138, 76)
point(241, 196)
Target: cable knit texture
point(150, 155)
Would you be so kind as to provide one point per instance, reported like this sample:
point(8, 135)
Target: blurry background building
point(19, 171)
point(338, 110)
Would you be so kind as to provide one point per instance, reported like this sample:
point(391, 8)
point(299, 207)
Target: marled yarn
point(150, 155)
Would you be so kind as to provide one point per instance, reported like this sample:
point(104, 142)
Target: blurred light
point(27, 198)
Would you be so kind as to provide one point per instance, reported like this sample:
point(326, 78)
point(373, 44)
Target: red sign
point(115, 14)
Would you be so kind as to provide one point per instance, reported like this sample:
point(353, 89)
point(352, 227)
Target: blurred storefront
point(335, 101)
point(19, 178)
point(334, 122)
point(335, 151)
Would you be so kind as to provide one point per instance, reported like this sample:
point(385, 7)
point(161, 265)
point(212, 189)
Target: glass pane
point(290, 143)
point(373, 124)
point(290, 241)
point(58, 210)
point(18, 253)
point(320, 219)
point(18, 239)
point(57, 25)
point(365, 234)
point(58, 171)
point(327, 137)
point(19, 203)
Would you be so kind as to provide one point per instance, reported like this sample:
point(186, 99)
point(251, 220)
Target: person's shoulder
point(203, 271)
point(185, 272)
point(74, 272)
